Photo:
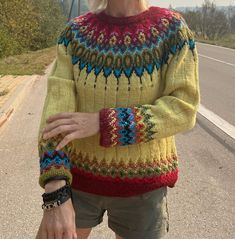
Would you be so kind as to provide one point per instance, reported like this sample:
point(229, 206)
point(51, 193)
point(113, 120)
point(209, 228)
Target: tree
point(214, 22)
point(208, 21)
point(170, 7)
point(231, 17)
point(193, 19)
point(233, 24)
point(30, 24)
point(18, 19)
point(50, 21)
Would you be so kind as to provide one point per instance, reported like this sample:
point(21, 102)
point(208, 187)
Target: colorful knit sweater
point(141, 74)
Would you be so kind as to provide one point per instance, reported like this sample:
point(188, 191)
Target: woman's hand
point(74, 125)
point(58, 223)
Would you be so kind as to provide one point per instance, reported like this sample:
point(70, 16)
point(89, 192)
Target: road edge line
point(217, 60)
point(220, 123)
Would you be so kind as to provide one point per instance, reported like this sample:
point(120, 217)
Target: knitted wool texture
point(141, 74)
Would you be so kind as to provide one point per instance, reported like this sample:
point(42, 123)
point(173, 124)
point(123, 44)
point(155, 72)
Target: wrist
point(57, 197)
point(54, 185)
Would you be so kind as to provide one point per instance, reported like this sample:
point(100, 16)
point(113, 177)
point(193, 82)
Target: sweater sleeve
point(173, 112)
point(60, 97)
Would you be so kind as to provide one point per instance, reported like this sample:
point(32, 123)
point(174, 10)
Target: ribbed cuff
point(54, 163)
point(57, 177)
point(118, 126)
point(106, 128)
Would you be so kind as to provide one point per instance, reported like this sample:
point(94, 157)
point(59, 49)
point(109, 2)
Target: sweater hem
point(118, 187)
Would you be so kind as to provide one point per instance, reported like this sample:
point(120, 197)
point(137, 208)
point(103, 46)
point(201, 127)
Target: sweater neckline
point(125, 20)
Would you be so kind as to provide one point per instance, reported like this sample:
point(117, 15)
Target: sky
point(188, 3)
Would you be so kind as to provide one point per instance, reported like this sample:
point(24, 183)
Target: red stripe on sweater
point(120, 187)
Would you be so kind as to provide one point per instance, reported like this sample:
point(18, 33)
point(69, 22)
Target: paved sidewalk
point(8, 84)
point(12, 92)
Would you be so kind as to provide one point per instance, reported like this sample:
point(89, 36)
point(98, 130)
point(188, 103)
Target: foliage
point(8, 45)
point(50, 22)
point(231, 17)
point(209, 22)
point(29, 25)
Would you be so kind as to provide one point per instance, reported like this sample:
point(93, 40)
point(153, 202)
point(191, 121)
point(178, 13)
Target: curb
point(15, 99)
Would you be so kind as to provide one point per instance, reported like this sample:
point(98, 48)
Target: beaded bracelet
point(56, 198)
point(49, 206)
point(52, 204)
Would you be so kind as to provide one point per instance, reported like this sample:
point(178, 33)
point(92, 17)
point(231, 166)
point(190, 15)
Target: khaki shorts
point(144, 216)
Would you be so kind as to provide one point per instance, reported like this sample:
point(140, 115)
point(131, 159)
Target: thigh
point(83, 233)
point(88, 209)
point(138, 217)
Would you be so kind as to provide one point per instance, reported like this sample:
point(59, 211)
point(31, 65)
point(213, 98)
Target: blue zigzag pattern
point(54, 157)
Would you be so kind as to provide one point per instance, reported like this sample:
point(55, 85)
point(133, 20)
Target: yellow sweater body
point(141, 74)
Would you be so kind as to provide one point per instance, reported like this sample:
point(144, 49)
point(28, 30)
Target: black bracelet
point(59, 193)
point(60, 198)
point(56, 203)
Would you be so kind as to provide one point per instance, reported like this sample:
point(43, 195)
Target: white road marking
point(222, 47)
point(217, 121)
point(224, 62)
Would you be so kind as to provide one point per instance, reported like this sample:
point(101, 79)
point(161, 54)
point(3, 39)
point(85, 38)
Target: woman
point(124, 83)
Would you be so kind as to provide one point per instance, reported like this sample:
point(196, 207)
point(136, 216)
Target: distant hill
point(183, 9)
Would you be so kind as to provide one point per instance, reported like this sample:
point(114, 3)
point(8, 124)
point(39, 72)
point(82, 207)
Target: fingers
point(57, 123)
point(67, 235)
point(60, 116)
point(75, 235)
point(60, 129)
point(68, 138)
point(59, 223)
point(51, 234)
point(70, 235)
point(59, 235)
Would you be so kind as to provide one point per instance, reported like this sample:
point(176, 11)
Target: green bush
point(29, 25)
point(8, 45)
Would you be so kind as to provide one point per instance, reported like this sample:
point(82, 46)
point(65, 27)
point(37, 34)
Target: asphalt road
point(217, 80)
point(201, 205)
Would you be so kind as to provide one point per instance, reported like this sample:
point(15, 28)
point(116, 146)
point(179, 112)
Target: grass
point(226, 41)
point(29, 63)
